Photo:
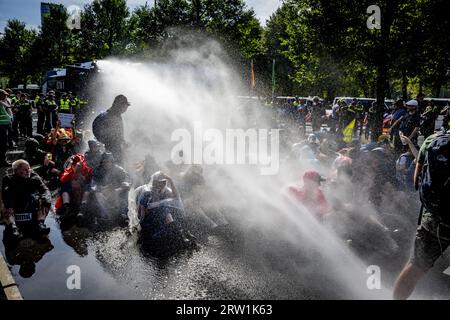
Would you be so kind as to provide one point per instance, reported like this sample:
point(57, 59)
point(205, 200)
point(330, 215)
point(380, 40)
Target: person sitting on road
point(110, 176)
point(75, 185)
point(93, 154)
point(25, 198)
point(33, 154)
point(160, 193)
point(310, 195)
point(63, 151)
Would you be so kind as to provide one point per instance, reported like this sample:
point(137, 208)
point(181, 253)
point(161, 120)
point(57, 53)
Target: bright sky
point(28, 11)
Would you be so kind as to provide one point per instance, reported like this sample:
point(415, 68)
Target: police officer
point(64, 104)
point(371, 112)
point(429, 118)
point(39, 103)
point(51, 109)
point(25, 116)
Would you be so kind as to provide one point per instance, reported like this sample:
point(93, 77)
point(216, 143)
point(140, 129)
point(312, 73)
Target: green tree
point(104, 29)
point(54, 46)
point(16, 61)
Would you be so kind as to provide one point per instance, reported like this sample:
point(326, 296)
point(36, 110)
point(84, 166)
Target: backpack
point(99, 125)
point(435, 179)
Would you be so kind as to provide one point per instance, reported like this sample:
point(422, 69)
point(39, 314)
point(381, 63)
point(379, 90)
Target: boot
point(42, 228)
point(66, 209)
point(83, 209)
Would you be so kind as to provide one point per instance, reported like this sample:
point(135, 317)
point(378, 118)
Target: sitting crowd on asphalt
point(410, 155)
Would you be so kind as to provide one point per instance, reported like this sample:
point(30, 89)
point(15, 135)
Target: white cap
point(412, 103)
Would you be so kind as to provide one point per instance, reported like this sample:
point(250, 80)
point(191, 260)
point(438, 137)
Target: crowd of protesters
point(411, 155)
point(398, 159)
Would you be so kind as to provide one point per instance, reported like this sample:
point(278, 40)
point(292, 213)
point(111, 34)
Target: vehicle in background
point(74, 78)
point(31, 89)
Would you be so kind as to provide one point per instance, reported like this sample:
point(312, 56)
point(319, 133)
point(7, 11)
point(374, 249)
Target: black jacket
point(115, 176)
point(18, 193)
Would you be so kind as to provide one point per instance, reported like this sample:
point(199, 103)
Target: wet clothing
point(315, 201)
point(93, 158)
point(433, 234)
point(159, 206)
point(72, 179)
point(428, 246)
point(23, 194)
point(116, 176)
point(405, 167)
point(108, 129)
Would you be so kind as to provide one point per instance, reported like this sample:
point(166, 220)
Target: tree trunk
point(382, 47)
point(404, 86)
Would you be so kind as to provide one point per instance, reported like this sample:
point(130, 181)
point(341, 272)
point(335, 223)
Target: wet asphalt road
point(113, 266)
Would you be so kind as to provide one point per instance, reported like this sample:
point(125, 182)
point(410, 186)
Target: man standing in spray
point(108, 128)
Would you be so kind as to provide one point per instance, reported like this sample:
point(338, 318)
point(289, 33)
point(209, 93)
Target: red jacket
point(315, 201)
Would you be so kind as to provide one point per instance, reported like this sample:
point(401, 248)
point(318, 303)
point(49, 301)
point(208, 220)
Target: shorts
point(432, 239)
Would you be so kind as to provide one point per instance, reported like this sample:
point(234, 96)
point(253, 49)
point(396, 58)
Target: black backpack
point(435, 179)
point(99, 126)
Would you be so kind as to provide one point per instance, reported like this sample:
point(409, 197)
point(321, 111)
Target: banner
point(66, 119)
point(348, 131)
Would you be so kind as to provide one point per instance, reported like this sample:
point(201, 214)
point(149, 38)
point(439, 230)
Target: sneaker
point(43, 229)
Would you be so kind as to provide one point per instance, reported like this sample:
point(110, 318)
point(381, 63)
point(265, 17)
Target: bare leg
point(407, 281)
point(66, 198)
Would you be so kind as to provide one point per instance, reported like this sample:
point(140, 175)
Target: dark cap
point(121, 99)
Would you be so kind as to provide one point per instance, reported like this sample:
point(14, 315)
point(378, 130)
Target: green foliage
point(321, 47)
point(54, 46)
point(104, 29)
point(15, 55)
